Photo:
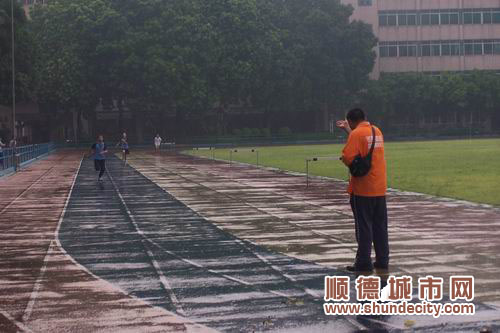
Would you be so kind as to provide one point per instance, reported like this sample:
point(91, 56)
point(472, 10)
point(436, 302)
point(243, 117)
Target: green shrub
point(284, 131)
point(265, 132)
point(256, 132)
point(237, 132)
point(246, 132)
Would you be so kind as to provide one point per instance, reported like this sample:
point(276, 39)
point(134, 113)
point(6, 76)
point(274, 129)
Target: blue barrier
point(13, 158)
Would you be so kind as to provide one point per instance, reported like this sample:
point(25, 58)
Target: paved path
point(42, 288)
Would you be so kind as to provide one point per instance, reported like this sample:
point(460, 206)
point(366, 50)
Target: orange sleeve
point(351, 149)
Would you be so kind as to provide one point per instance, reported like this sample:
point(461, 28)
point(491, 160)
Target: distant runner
point(2, 145)
point(99, 151)
point(124, 147)
point(157, 142)
point(13, 151)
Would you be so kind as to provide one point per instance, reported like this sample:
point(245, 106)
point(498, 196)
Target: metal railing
point(13, 158)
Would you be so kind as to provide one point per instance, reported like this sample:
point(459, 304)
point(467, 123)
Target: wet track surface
point(41, 288)
point(130, 232)
point(428, 235)
point(162, 251)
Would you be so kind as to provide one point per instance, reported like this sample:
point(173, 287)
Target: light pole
point(13, 71)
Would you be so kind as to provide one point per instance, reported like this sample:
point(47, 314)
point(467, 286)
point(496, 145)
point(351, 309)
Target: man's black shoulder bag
point(360, 166)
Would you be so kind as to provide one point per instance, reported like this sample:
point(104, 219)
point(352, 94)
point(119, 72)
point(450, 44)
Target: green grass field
point(462, 169)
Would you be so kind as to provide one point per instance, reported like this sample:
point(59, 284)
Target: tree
point(23, 54)
point(78, 45)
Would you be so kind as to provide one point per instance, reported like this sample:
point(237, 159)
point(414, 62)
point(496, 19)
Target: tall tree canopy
point(23, 54)
point(196, 55)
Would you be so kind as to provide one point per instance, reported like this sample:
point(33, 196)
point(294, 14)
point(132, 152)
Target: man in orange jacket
point(367, 193)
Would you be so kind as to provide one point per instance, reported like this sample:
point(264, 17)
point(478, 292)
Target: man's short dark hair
point(356, 115)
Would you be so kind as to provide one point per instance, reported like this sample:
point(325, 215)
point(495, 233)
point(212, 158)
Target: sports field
point(461, 169)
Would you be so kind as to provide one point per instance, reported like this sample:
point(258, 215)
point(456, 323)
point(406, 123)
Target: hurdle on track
point(167, 145)
point(252, 150)
point(316, 159)
point(212, 149)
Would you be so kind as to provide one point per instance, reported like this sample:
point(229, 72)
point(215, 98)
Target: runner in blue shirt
point(99, 151)
point(123, 144)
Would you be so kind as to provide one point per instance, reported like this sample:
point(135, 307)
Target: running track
point(140, 260)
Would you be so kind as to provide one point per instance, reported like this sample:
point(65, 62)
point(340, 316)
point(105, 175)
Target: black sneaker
point(379, 266)
point(355, 268)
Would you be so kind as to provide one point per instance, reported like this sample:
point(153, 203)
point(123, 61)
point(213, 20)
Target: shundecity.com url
point(401, 308)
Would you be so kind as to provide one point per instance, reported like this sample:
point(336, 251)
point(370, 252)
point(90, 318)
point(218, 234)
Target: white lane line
point(231, 278)
point(183, 320)
point(164, 281)
point(26, 190)
point(38, 285)
point(19, 325)
point(156, 266)
point(352, 321)
point(290, 278)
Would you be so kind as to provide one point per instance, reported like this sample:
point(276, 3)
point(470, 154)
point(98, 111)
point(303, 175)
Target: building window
point(439, 48)
point(425, 19)
point(496, 17)
point(445, 18)
point(449, 18)
point(487, 18)
point(430, 50)
point(435, 50)
point(488, 48)
point(412, 19)
point(393, 51)
point(425, 50)
point(402, 19)
point(434, 18)
point(472, 18)
point(383, 52)
point(471, 48)
point(382, 20)
point(403, 50)
point(387, 19)
point(407, 50)
point(364, 2)
point(391, 20)
point(388, 51)
point(450, 49)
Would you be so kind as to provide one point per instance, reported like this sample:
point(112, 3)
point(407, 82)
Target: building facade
point(433, 36)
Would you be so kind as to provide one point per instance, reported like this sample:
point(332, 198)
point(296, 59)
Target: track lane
point(218, 280)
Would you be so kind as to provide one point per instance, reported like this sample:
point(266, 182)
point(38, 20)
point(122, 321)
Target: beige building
point(433, 36)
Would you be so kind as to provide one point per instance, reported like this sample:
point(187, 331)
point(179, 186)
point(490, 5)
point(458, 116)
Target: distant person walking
point(157, 143)
point(2, 145)
point(13, 152)
point(123, 144)
point(99, 151)
point(13, 144)
point(364, 155)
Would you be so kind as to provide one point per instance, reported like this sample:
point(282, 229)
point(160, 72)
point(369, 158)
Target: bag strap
point(373, 142)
